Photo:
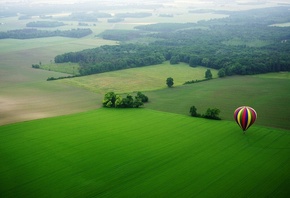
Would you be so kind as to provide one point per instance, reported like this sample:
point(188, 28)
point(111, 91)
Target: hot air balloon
point(245, 116)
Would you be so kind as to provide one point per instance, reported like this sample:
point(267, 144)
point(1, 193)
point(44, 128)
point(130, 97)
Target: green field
point(142, 153)
point(24, 92)
point(139, 79)
point(268, 94)
point(280, 75)
point(68, 68)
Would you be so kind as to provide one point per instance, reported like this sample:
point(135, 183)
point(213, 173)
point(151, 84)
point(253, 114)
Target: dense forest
point(121, 35)
point(34, 33)
point(243, 43)
point(109, 58)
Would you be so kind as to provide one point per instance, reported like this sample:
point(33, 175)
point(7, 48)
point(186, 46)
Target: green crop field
point(142, 153)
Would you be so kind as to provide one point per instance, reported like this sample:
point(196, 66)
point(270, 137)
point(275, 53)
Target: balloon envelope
point(245, 116)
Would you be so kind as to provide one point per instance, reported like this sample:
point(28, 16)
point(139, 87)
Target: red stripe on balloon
point(245, 119)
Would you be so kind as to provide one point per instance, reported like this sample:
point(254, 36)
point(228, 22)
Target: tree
point(142, 97)
point(212, 114)
point(169, 82)
point(222, 73)
point(193, 112)
point(208, 74)
point(137, 102)
point(128, 101)
point(194, 61)
point(109, 99)
point(205, 62)
point(119, 101)
point(174, 60)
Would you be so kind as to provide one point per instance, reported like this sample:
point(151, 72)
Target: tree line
point(109, 58)
point(34, 33)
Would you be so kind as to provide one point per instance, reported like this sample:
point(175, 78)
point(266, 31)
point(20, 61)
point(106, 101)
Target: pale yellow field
point(139, 79)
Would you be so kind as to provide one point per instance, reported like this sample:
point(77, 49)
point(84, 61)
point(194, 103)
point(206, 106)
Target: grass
point(139, 79)
point(268, 96)
point(27, 101)
point(52, 45)
point(69, 68)
point(277, 75)
point(25, 94)
point(141, 153)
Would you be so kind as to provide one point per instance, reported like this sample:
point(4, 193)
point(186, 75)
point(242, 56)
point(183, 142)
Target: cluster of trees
point(209, 43)
point(45, 24)
point(209, 114)
point(34, 33)
point(112, 100)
